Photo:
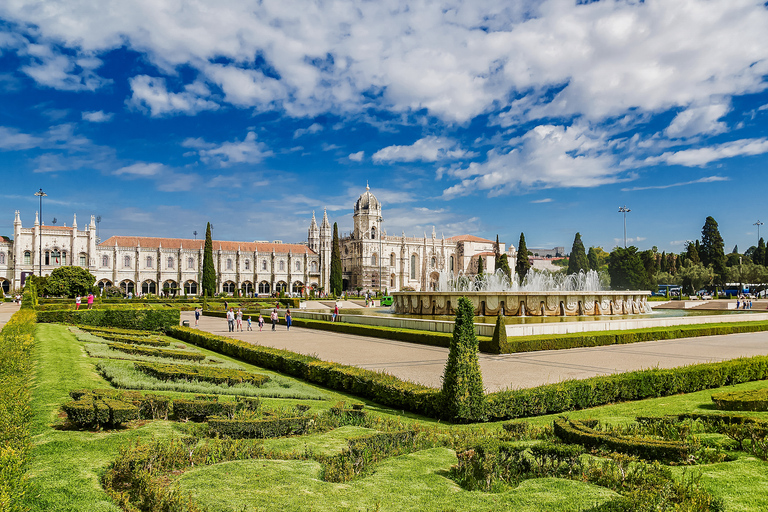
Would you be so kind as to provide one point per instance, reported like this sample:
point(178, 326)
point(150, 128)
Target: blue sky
point(482, 117)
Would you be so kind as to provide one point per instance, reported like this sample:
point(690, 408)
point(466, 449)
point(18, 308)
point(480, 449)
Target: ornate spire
point(37, 219)
point(326, 224)
point(74, 222)
point(17, 218)
point(366, 185)
point(313, 224)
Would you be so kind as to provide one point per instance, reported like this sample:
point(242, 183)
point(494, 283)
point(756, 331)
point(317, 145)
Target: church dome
point(367, 201)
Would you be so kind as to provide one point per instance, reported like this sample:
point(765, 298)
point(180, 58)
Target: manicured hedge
point(150, 406)
point(365, 450)
point(381, 387)
point(200, 410)
point(156, 352)
point(603, 338)
point(259, 428)
point(97, 331)
point(751, 400)
point(93, 410)
point(228, 376)
point(16, 344)
point(138, 318)
point(623, 387)
point(576, 432)
point(136, 340)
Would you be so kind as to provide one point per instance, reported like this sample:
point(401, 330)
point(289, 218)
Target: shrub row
point(381, 387)
point(599, 339)
point(149, 406)
point(70, 306)
point(16, 344)
point(259, 428)
point(137, 340)
point(156, 352)
point(623, 387)
point(229, 376)
point(90, 411)
point(363, 451)
point(200, 410)
point(751, 400)
point(97, 331)
point(574, 431)
point(139, 318)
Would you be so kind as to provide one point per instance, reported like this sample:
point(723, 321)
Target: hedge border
point(750, 400)
point(229, 376)
point(139, 318)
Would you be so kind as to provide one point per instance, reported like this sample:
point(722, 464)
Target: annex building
point(371, 259)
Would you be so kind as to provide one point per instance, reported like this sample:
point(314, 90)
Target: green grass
point(103, 351)
point(414, 482)
point(325, 443)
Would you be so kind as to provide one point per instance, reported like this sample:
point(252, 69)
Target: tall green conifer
point(577, 262)
point(209, 272)
point(336, 281)
point(523, 263)
point(480, 268)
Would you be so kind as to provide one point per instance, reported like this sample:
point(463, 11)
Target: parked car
point(387, 300)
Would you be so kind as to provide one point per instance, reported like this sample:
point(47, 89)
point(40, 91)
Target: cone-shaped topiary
point(462, 394)
point(499, 340)
point(577, 262)
point(480, 269)
point(523, 263)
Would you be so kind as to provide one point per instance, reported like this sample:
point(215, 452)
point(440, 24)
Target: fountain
point(541, 293)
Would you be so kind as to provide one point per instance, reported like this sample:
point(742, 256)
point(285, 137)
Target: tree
point(592, 258)
point(760, 254)
point(499, 341)
point(651, 268)
point(663, 262)
point(503, 265)
point(691, 253)
point(462, 392)
point(209, 272)
point(712, 250)
point(496, 253)
point(336, 282)
point(627, 270)
point(735, 249)
point(578, 262)
point(480, 268)
point(694, 277)
point(523, 263)
point(70, 281)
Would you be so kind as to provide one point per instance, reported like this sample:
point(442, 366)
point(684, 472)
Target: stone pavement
point(425, 364)
point(7, 309)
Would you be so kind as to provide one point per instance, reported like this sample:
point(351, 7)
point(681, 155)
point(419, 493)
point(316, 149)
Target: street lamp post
point(41, 195)
point(98, 221)
point(625, 210)
point(758, 224)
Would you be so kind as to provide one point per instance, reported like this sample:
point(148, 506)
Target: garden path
point(425, 364)
point(7, 309)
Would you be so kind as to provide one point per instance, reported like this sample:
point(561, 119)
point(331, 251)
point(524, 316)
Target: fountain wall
point(520, 303)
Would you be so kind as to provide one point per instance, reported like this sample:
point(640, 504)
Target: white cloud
point(12, 139)
point(150, 93)
point(357, 157)
point(708, 179)
point(65, 72)
point(313, 128)
point(247, 151)
point(141, 169)
point(546, 156)
point(98, 116)
point(694, 121)
point(545, 200)
point(428, 149)
point(702, 156)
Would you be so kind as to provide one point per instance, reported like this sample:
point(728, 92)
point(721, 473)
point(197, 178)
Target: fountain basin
point(554, 303)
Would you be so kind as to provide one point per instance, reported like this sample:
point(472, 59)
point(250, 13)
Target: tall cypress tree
point(209, 273)
point(578, 260)
point(503, 265)
point(759, 256)
point(692, 254)
point(523, 263)
point(594, 262)
point(336, 282)
point(496, 253)
point(480, 268)
point(462, 393)
point(711, 250)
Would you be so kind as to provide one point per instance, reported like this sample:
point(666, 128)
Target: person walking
point(231, 320)
point(197, 316)
point(335, 313)
point(273, 317)
point(90, 301)
point(239, 318)
point(77, 303)
point(288, 319)
point(249, 323)
point(261, 322)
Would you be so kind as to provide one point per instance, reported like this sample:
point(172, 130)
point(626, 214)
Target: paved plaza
point(425, 364)
point(7, 309)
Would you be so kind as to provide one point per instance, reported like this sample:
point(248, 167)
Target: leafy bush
point(157, 352)
point(138, 340)
point(259, 428)
point(751, 400)
point(95, 410)
point(141, 318)
point(363, 451)
point(200, 410)
point(70, 281)
point(228, 376)
point(98, 331)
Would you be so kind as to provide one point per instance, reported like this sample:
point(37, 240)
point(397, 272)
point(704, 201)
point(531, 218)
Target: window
point(247, 264)
point(2, 258)
point(451, 264)
point(434, 262)
point(229, 287)
point(373, 259)
point(47, 258)
point(263, 287)
point(298, 265)
point(191, 264)
point(64, 258)
point(127, 262)
point(27, 257)
point(190, 288)
point(83, 260)
point(413, 266)
point(282, 265)
point(373, 233)
point(229, 264)
point(392, 260)
point(263, 266)
point(314, 266)
point(55, 257)
point(170, 262)
point(105, 261)
point(149, 261)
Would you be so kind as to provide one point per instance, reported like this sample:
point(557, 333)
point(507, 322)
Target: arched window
point(314, 266)
point(229, 264)
point(64, 258)
point(127, 262)
point(374, 261)
point(451, 263)
point(190, 288)
point(298, 265)
point(2, 258)
point(373, 233)
point(105, 261)
point(27, 257)
point(229, 287)
point(413, 266)
point(247, 264)
point(434, 262)
point(149, 262)
point(392, 260)
point(170, 262)
point(191, 264)
point(282, 265)
point(47, 258)
point(263, 265)
point(263, 287)
point(83, 260)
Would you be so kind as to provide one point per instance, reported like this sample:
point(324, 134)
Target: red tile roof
point(468, 238)
point(185, 243)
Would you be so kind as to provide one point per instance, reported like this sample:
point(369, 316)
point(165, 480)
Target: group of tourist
point(235, 319)
point(744, 302)
point(79, 300)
